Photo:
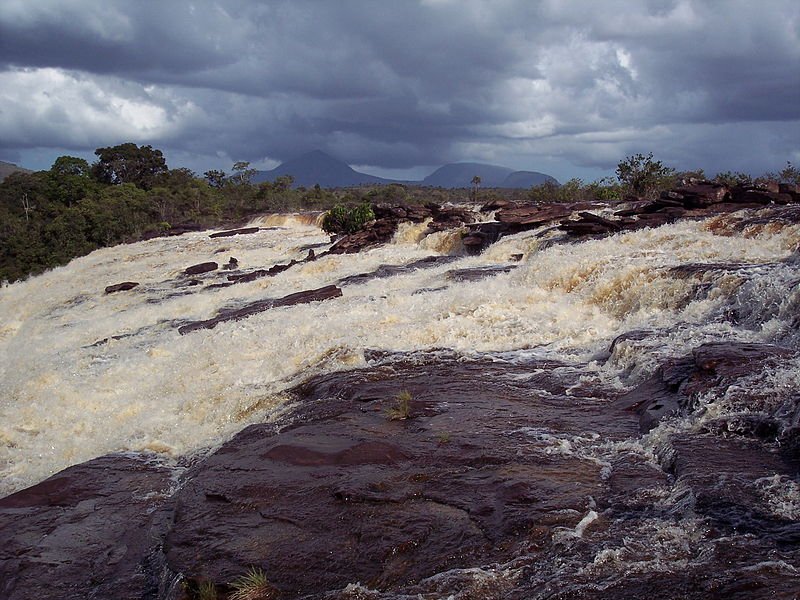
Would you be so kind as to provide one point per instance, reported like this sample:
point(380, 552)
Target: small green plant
point(254, 585)
point(443, 438)
point(206, 590)
point(343, 219)
point(402, 407)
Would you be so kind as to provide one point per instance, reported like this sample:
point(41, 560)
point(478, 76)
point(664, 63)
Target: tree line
point(129, 193)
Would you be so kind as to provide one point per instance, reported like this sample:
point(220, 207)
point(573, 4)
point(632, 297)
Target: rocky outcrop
point(678, 383)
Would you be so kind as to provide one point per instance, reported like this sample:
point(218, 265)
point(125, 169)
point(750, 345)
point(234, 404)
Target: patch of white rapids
point(65, 399)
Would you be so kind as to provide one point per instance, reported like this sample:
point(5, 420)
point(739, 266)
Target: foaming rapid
point(86, 373)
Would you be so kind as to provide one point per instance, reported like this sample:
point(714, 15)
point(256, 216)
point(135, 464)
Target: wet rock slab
point(91, 531)
point(348, 495)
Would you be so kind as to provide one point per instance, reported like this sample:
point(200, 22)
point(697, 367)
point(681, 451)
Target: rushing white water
point(65, 398)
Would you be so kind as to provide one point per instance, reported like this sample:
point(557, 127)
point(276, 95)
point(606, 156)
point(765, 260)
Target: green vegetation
point(344, 219)
point(49, 217)
point(253, 586)
point(207, 591)
point(401, 410)
point(643, 176)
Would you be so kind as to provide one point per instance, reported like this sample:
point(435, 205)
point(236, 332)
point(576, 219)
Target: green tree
point(215, 178)
point(242, 173)
point(69, 180)
point(129, 163)
point(643, 176)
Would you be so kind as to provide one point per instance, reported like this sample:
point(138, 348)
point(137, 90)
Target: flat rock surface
point(92, 531)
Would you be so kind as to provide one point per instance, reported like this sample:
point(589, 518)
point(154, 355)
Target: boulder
point(200, 268)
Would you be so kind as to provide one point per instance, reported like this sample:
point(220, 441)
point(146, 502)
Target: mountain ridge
point(318, 167)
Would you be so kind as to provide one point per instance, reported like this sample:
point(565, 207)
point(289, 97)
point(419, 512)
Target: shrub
point(343, 219)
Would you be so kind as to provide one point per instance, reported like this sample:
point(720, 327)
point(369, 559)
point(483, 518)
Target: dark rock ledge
point(341, 493)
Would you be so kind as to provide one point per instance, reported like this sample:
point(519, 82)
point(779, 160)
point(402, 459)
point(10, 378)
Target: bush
point(643, 176)
point(343, 219)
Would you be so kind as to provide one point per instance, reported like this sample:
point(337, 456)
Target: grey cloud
point(396, 85)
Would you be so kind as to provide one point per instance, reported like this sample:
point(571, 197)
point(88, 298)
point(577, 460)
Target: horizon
point(568, 89)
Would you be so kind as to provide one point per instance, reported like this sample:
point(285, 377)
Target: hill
point(526, 179)
point(318, 167)
point(461, 174)
point(7, 169)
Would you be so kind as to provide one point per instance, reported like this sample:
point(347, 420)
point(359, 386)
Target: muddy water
point(558, 490)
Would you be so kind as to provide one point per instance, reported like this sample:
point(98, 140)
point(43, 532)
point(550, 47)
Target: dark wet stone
point(729, 359)
point(231, 264)
point(259, 273)
point(478, 273)
point(391, 270)
point(379, 232)
point(676, 384)
point(450, 218)
point(318, 295)
point(722, 473)
point(701, 194)
point(198, 269)
point(528, 217)
point(91, 531)
point(590, 224)
point(232, 232)
point(121, 287)
point(497, 204)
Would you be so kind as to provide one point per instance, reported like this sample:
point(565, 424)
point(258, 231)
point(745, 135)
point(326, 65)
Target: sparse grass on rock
point(401, 410)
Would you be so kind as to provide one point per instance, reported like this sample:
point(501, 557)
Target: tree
point(242, 173)
point(69, 180)
point(70, 165)
point(476, 183)
point(215, 178)
point(129, 163)
point(644, 176)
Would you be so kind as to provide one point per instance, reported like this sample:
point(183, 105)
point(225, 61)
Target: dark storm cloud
point(402, 84)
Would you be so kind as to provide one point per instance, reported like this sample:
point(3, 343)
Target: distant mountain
point(526, 179)
point(318, 167)
point(456, 175)
point(7, 169)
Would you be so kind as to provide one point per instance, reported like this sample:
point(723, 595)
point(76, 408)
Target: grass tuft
point(206, 590)
point(253, 585)
point(402, 407)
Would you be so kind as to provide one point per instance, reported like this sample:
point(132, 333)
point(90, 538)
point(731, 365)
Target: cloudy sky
point(567, 87)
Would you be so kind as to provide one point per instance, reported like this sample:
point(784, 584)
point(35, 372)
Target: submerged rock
point(317, 295)
point(232, 232)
